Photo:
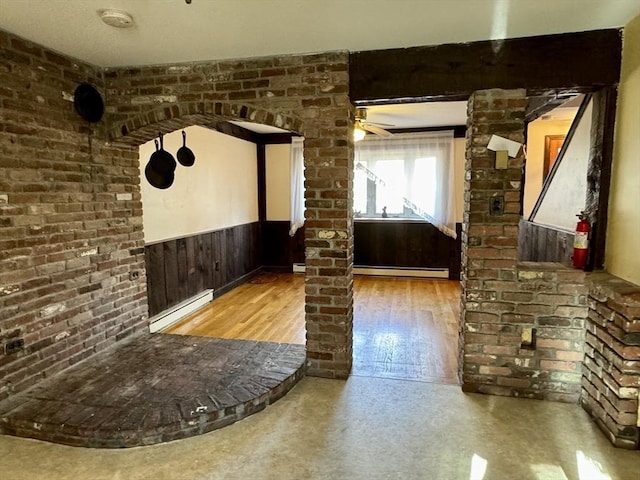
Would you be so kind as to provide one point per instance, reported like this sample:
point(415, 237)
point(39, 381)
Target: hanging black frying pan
point(156, 172)
point(185, 155)
point(163, 161)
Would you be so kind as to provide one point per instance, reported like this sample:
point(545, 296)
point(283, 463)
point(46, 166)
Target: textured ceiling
point(170, 31)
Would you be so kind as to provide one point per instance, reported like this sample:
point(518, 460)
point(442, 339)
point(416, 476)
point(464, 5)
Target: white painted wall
point(220, 190)
point(567, 193)
point(622, 256)
point(536, 133)
point(278, 180)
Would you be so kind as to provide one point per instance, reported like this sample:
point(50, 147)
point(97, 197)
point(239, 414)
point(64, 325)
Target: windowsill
point(390, 219)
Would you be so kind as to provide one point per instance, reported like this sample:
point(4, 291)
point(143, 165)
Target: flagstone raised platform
point(154, 389)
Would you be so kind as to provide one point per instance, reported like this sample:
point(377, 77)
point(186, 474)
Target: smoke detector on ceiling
point(116, 18)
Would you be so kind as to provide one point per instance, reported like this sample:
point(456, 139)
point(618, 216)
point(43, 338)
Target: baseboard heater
point(391, 271)
point(178, 312)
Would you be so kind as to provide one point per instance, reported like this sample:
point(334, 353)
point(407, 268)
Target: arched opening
point(207, 228)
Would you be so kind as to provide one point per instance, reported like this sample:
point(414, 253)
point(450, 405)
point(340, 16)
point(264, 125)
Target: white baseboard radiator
point(391, 271)
point(178, 312)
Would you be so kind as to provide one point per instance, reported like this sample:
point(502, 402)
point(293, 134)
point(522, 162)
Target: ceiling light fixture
point(116, 18)
point(358, 133)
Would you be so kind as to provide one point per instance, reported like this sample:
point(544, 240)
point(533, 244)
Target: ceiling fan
point(362, 126)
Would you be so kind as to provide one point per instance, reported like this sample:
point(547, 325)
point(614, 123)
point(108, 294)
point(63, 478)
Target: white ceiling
point(414, 115)
point(170, 31)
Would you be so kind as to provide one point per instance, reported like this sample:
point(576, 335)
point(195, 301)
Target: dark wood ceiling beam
point(242, 133)
point(542, 104)
point(582, 61)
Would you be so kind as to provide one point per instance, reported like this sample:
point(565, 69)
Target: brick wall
point(522, 330)
point(72, 279)
point(611, 376)
point(307, 93)
point(70, 222)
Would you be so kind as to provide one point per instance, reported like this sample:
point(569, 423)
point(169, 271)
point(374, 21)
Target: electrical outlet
point(528, 338)
point(133, 275)
point(13, 346)
point(496, 205)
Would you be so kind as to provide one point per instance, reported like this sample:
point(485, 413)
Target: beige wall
point(220, 190)
point(278, 179)
point(567, 193)
point(534, 169)
point(623, 231)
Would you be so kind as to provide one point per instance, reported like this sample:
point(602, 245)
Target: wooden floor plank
point(404, 328)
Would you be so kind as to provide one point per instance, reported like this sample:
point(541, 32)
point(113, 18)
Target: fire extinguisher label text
point(581, 240)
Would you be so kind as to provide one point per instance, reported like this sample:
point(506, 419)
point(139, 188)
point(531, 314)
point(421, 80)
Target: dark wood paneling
point(584, 60)
point(389, 244)
point(219, 259)
point(280, 250)
point(156, 296)
point(538, 243)
point(404, 244)
point(181, 268)
point(170, 258)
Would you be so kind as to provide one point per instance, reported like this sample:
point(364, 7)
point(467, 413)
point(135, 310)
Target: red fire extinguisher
point(581, 241)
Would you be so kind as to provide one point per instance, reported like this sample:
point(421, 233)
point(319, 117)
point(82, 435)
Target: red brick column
point(329, 247)
point(611, 376)
point(522, 331)
point(489, 241)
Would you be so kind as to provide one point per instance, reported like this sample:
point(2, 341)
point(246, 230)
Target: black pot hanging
point(163, 161)
point(88, 102)
point(185, 155)
point(157, 171)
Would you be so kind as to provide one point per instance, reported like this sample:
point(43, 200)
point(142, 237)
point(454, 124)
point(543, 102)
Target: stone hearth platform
point(154, 389)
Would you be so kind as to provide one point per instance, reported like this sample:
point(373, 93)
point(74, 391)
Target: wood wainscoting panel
point(180, 268)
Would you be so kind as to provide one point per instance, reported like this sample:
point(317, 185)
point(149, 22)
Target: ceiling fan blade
point(377, 130)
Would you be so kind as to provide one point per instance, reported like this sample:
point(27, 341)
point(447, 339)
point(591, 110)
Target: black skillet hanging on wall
point(88, 102)
point(160, 171)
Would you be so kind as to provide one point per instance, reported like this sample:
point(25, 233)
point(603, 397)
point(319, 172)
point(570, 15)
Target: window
point(406, 176)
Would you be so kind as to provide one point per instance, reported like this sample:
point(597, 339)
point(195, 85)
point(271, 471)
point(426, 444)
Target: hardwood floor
point(403, 328)
point(406, 328)
point(269, 308)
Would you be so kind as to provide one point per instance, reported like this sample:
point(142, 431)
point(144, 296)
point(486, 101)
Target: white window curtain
point(297, 184)
point(409, 175)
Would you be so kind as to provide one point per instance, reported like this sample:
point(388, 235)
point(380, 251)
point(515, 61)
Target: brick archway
point(328, 226)
point(145, 126)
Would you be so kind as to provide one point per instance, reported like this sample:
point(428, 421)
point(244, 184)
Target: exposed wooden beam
point(599, 172)
point(242, 133)
point(581, 61)
point(234, 130)
point(542, 104)
point(459, 131)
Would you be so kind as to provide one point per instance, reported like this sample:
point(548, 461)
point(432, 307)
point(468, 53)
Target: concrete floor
point(365, 428)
